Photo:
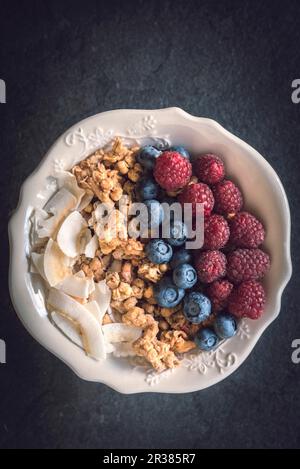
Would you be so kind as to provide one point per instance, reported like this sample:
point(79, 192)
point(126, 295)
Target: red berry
point(228, 198)
point(198, 194)
point(172, 171)
point(247, 300)
point(210, 266)
point(216, 232)
point(209, 168)
point(247, 264)
point(246, 231)
point(218, 293)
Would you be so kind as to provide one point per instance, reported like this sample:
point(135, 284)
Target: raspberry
point(216, 232)
point(228, 198)
point(210, 266)
point(172, 171)
point(247, 300)
point(198, 194)
point(209, 169)
point(218, 293)
point(246, 231)
point(247, 264)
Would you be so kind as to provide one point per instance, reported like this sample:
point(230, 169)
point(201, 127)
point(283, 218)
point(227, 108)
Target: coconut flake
point(90, 330)
point(69, 182)
point(76, 286)
point(93, 308)
point(84, 238)
point(85, 201)
point(37, 261)
point(68, 328)
point(59, 205)
point(123, 349)
point(69, 235)
point(102, 295)
point(57, 266)
point(119, 332)
point(61, 202)
point(91, 247)
point(37, 219)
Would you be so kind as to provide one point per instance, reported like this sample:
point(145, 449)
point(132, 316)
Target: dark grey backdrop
point(231, 61)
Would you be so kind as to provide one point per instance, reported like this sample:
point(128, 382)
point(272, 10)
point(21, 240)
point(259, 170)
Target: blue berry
point(147, 156)
point(185, 276)
point(178, 233)
point(206, 339)
point(167, 294)
point(197, 307)
point(155, 212)
point(181, 150)
point(147, 189)
point(225, 326)
point(158, 251)
point(182, 256)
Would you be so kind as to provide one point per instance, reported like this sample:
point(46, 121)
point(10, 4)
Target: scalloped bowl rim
point(17, 219)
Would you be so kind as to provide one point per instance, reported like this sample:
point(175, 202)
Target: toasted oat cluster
point(121, 261)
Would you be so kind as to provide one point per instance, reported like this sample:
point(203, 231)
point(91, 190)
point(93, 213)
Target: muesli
point(118, 284)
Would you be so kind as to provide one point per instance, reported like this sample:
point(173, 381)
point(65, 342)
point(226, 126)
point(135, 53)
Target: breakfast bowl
point(263, 195)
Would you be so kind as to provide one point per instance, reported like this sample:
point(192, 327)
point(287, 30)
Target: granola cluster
point(122, 262)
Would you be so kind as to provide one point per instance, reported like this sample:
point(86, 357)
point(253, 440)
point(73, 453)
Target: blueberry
point(147, 189)
point(178, 233)
point(167, 294)
point(147, 156)
point(225, 326)
point(182, 256)
point(206, 339)
point(197, 307)
point(155, 212)
point(185, 276)
point(158, 251)
point(181, 150)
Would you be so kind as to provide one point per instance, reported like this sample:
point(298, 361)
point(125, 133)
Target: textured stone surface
point(231, 61)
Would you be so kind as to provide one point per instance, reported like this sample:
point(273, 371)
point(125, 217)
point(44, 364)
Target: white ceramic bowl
point(264, 195)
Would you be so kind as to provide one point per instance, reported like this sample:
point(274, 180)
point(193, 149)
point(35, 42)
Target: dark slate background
point(231, 61)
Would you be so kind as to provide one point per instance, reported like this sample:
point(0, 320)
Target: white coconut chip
point(67, 327)
point(57, 266)
point(62, 201)
point(109, 348)
point(93, 308)
point(123, 349)
point(77, 286)
point(37, 219)
point(85, 201)
point(102, 296)
point(59, 205)
point(91, 247)
point(69, 234)
point(90, 330)
point(68, 181)
point(37, 262)
point(84, 239)
point(119, 332)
